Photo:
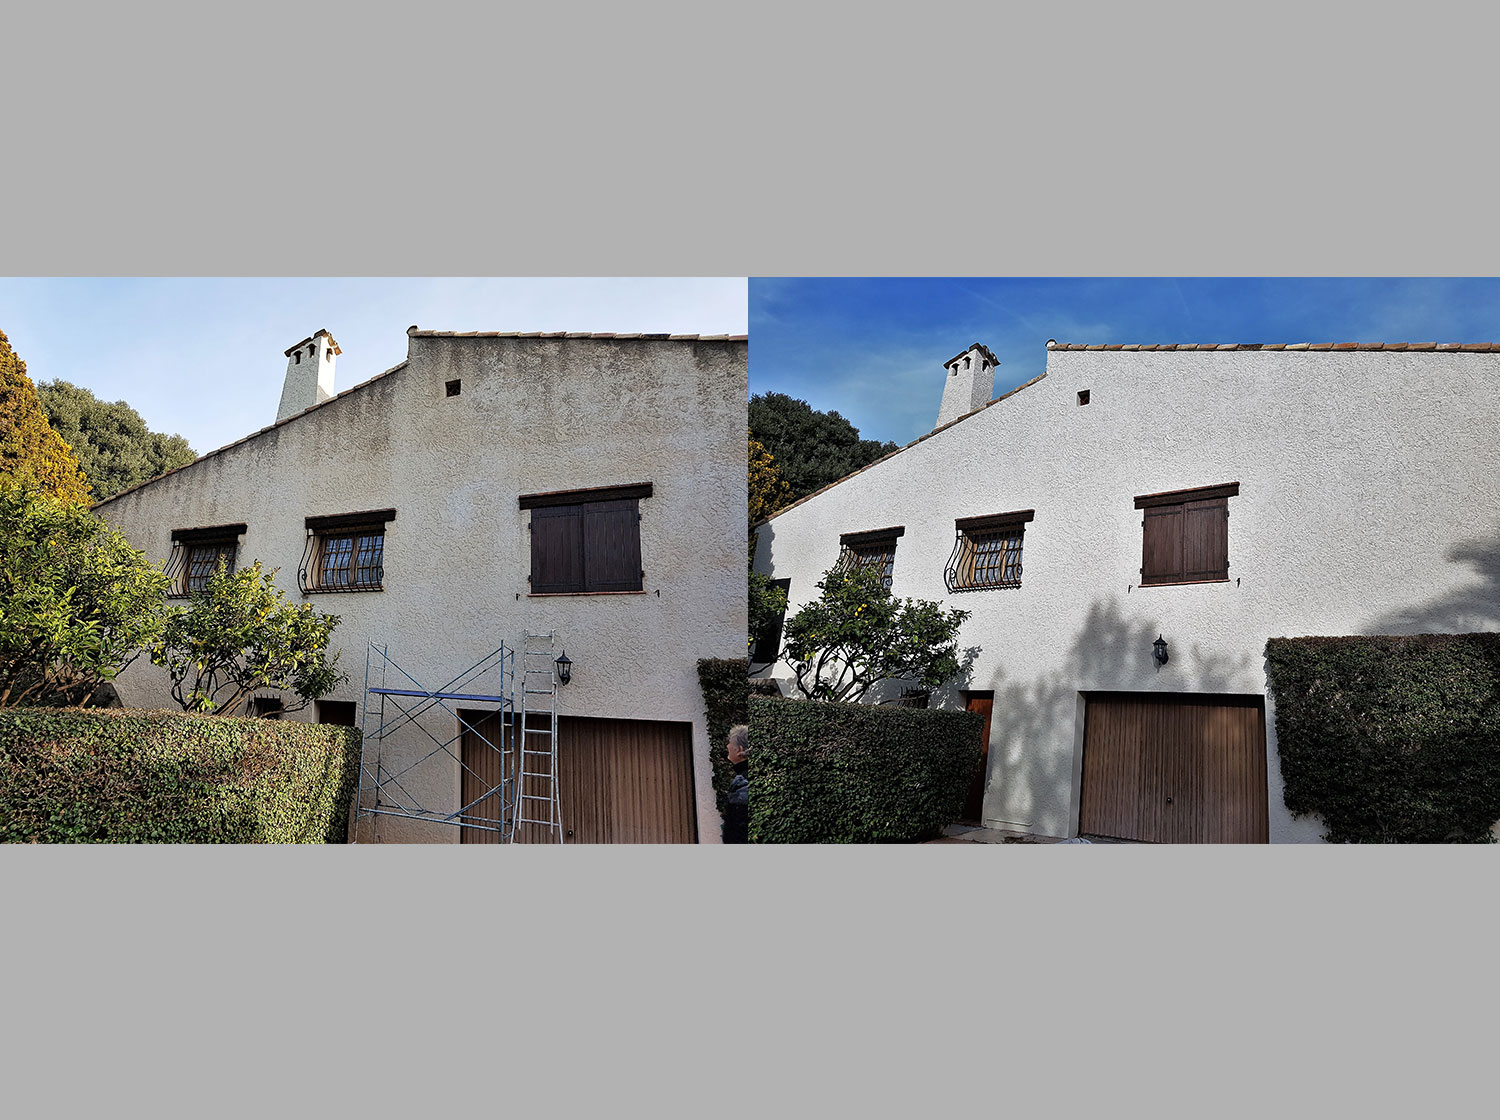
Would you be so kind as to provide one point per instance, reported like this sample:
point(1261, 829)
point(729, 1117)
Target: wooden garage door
point(480, 773)
point(621, 781)
point(1175, 769)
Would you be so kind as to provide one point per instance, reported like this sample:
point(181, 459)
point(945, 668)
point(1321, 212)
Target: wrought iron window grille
point(987, 552)
point(196, 552)
point(345, 552)
point(875, 548)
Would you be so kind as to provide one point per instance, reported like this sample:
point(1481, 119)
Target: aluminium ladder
point(536, 787)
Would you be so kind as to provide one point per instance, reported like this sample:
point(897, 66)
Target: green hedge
point(128, 776)
point(1390, 739)
point(725, 689)
point(855, 773)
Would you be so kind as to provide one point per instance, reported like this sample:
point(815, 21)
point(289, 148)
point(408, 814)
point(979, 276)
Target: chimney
point(970, 383)
point(309, 374)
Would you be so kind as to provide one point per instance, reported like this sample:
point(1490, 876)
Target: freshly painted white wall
point(1369, 503)
point(533, 415)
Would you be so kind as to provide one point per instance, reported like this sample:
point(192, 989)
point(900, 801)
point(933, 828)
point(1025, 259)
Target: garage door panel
point(480, 772)
point(619, 782)
point(1174, 769)
point(1112, 766)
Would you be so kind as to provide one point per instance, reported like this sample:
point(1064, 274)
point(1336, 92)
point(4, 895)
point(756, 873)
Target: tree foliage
point(32, 454)
point(239, 634)
point(857, 634)
point(77, 603)
point(766, 605)
point(768, 490)
point(113, 445)
point(811, 449)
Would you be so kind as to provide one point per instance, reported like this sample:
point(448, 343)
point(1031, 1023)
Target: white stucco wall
point(1369, 503)
point(534, 415)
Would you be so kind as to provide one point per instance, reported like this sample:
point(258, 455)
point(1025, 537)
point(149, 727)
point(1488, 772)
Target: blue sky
point(873, 349)
point(203, 357)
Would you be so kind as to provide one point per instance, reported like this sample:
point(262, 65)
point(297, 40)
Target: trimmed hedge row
point(1390, 739)
point(723, 681)
point(128, 776)
point(856, 773)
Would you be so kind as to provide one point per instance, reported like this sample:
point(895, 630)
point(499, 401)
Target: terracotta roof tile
point(1451, 347)
point(417, 332)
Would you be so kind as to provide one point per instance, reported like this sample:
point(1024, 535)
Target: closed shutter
point(1161, 550)
point(556, 549)
point(1205, 539)
point(612, 546)
point(1185, 534)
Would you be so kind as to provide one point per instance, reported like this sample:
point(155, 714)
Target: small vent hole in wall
point(1083, 396)
point(453, 387)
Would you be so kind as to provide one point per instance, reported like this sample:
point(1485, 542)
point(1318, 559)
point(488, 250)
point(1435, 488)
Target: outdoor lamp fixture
point(564, 668)
point(1159, 650)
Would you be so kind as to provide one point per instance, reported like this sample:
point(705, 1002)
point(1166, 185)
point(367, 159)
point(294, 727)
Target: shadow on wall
point(1476, 607)
point(1034, 724)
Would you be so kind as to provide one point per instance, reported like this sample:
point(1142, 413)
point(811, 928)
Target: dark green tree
point(811, 448)
point(32, 454)
point(114, 447)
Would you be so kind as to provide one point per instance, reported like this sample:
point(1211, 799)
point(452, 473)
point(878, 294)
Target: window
point(1185, 535)
point(268, 707)
point(768, 641)
point(196, 553)
point(345, 552)
point(987, 552)
point(586, 541)
point(875, 548)
point(342, 712)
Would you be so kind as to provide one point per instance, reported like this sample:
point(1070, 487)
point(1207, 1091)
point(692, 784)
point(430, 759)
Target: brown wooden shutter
point(1161, 547)
point(556, 549)
point(1205, 540)
point(612, 546)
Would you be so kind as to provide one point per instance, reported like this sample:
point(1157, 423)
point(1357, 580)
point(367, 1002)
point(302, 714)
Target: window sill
point(341, 590)
point(1183, 583)
point(577, 594)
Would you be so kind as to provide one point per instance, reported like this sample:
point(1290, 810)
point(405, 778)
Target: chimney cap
point(981, 347)
point(332, 345)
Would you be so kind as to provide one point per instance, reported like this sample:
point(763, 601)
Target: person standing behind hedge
point(737, 810)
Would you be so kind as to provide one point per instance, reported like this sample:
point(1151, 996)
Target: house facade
point(587, 487)
point(1210, 497)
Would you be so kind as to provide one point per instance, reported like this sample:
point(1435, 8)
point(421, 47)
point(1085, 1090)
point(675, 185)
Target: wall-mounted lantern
point(564, 668)
point(1159, 650)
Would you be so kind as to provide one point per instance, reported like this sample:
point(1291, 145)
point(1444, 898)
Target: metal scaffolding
point(395, 699)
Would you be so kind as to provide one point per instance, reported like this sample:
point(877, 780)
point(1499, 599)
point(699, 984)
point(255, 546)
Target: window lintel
point(209, 534)
point(992, 521)
point(591, 494)
point(871, 537)
point(1195, 494)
